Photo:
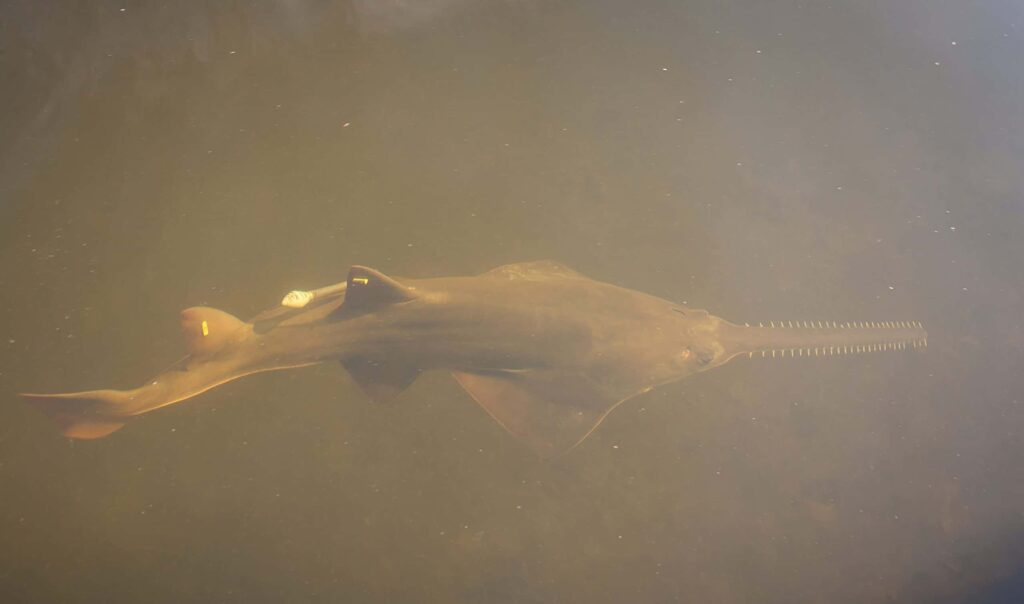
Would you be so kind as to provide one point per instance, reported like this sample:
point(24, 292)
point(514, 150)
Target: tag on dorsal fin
point(550, 411)
point(380, 381)
point(368, 290)
point(207, 330)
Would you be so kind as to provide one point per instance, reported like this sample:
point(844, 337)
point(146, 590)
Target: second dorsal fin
point(207, 330)
point(369, 290)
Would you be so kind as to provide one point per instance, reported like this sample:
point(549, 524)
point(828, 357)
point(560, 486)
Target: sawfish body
point(547, 352)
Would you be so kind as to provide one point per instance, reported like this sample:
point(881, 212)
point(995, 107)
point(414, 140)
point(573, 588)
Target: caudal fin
point(97, 413)
point(83, 415)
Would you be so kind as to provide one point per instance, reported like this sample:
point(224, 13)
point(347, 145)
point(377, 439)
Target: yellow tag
point(360, 280)
point(206, 329)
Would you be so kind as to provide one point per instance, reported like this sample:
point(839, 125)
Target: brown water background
point(763, 160)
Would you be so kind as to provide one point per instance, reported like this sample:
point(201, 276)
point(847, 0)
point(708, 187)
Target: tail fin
point(84, 415)
point(97, 413)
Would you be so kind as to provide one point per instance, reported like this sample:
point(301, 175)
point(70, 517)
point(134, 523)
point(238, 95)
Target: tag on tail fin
point(207, 330)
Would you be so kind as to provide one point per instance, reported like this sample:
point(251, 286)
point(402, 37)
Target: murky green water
point(761, 160)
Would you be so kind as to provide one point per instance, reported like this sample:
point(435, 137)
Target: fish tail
point(84, 415)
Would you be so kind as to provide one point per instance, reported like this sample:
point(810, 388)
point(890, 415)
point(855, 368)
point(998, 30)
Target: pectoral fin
point(551, 412)
point(381, 381)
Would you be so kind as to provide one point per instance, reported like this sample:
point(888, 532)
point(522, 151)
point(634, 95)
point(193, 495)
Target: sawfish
point(546, 351)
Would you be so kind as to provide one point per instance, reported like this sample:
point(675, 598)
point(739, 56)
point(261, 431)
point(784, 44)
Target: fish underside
point(546, 351)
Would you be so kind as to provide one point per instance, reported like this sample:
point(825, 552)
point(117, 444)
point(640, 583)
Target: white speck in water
point(952, 228)
point(891, 287)
point(937, 63)
point(953, 42)
point(664, 68)
point(346, 124)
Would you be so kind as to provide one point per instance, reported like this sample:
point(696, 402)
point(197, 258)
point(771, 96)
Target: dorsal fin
point(369, 290)
point(207, 330)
